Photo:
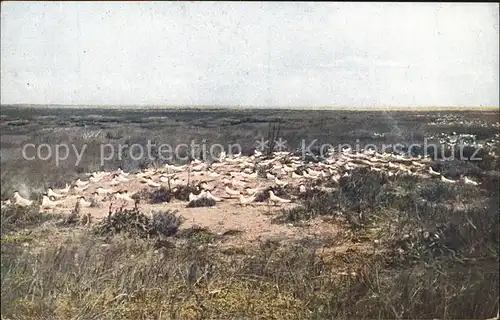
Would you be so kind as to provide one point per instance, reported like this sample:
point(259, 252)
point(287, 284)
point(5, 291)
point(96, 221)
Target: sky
point(279, 54)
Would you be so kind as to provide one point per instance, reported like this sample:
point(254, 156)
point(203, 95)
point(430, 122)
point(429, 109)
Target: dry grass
point(432, 248)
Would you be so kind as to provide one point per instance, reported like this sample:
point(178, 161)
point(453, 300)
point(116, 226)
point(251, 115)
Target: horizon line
point(157, 106)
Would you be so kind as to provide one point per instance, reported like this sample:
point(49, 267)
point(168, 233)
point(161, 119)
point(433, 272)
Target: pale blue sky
point(250, 54)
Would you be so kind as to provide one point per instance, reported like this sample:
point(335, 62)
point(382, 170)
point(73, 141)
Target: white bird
point(121, 172)
point(296, 176)
point(307, 175)
point(276, 199)
point(6, 203)
point(100, 174)
point(101, 190)
point(246, 164)
point(20, 200)
point(251, 191)
point(244, 201)
point(150, 182)
point(270, 176)
point(392, 165)
point(302, 188)
point(194, 197)
point(469, 181)
point(277, 165)
point(47, 203)
point(114, 182)
point(123, 195)
point(237, 183)
point(175, 168)
point(222, 156)
point(313, 173)
point(279, 182)
point(443, 179)
point(76, 189)
point(81, 183)
point(153, 184)
point(335, 178)
point(167, 178)
point(213, 174)
point(434, 173)
point(249, 176)
point(122, 178)
point(83, 203)
point(231, 192)
point(418, 164)
point(346, 150)
point(199, 167)
point(51, 193)
point(94, 179)
point(65, 190)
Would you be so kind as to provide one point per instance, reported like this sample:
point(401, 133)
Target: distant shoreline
point(156, 107)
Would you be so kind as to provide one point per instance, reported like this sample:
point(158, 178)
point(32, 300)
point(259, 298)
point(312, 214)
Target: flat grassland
point(387, 240)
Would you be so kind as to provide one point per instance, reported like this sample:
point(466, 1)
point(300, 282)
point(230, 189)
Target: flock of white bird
point(232, 178)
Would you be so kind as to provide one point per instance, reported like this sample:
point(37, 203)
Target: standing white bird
point(198, 167)
point(6, 203)
point(443, 179)
point(123, 195)
point(194, 197)
point(237, 183)
point(469, 181)
point(434, 173)
point(47, 203)
point(94, 179)
point(275, 199)
point(231, 192)
point(75, 189)
point(114, 182)
point(279, 182)
point(175, 168)
point(213, 174)
point(244, 201)
point(251, 191)
point(296, 176)
point(122, 178)
point(418, 164)
point(249, 175)
point(222, 156)
point(51, 193)
point(270, 176)
point(335, 178)
point(313, 173)
point(20, 200)
point(65, 190)
point(101, 190)
point(121, 172)
point(83, 203)
point(307, 175)
point(81, 183)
